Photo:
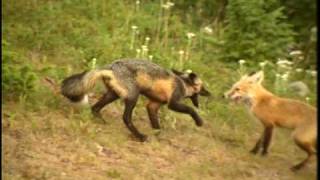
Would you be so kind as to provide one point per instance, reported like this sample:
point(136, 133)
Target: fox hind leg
point(130, 103)
point(309, 148)
point(107, 98)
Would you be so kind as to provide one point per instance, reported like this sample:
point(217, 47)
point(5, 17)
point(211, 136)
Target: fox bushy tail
point(76, 87)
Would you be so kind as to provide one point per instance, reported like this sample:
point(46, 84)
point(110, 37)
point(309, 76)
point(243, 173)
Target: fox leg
point(256, 148)
point(268, 131)
point(308, 147)
point(264, 140)
point(310, 152)
point(130, 103)
point(179, 107)
point(153, 108)
point(107, 98)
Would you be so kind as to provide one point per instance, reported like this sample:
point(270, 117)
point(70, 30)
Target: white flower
point(297, 52)
point(134, 27)
point(165, 6)
point(208, 30)
point(241, 61)
point(137, 2)
point(190, 35)
point(307, 99)
point(138, 50)
point(150, 57)
point(284, 61)
point(188, 71)
point(147, 39)
point(168, 5)
point(262, 64)
point(299, 70)
point(181, 52)
point(285, 76)
point(144, 48)
point(313, 73)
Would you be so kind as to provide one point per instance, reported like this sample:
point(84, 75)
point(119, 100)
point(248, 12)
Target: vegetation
point(46, 138)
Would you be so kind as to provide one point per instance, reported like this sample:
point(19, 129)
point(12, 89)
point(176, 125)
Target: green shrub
point(17, 78)
point(256, 32)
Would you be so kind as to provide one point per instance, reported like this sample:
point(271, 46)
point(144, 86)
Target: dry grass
point(60, 144)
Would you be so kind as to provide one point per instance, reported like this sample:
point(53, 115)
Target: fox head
point(246, 88)
point(194, 86)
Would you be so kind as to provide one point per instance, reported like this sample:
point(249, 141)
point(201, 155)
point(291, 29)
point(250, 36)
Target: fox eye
point(237, 89)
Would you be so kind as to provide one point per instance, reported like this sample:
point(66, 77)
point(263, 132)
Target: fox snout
point(204, 92)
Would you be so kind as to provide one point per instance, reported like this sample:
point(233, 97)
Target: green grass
point(46, 138)
point(63, 145)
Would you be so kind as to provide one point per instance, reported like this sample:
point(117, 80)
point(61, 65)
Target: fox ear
point(176, 72)
point(257, 77)
point(244, 77)
point(194, 78)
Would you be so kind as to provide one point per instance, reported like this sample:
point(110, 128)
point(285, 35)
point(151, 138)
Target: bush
point(255, 31)
point(17, 78)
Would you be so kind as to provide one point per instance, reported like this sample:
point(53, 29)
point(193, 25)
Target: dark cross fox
point(127, 79)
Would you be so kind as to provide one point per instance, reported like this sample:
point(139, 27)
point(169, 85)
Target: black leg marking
point(130, 103)
point(107, 98)
point(310, 151)
point(267, 139)
point(153, 108)
point(256, 148)
point(178, 107)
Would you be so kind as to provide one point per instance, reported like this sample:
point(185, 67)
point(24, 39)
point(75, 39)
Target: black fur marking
point(204, 92)
point(251, 73)
point(267, 139)
point(153, 116)
point(256, 148)
point(75, 98)
point(68, 84)
point(127, 117)
point(182, 108)
point(106, 99)
point(195, 101)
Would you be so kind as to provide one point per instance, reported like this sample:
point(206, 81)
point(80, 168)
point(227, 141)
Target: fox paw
point(296, 167)
point(142, 137)
point(97, 115)
point(199, 123)
point(254, 151)
point(264, 153)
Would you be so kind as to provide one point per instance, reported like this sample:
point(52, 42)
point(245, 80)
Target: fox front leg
point(179, 107)
point(153, 108)
point(264, 140)
point(267, 139)
point(256, 148)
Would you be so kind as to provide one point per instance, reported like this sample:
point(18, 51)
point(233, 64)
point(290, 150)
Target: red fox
point(274, 111)
point(127, 79)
